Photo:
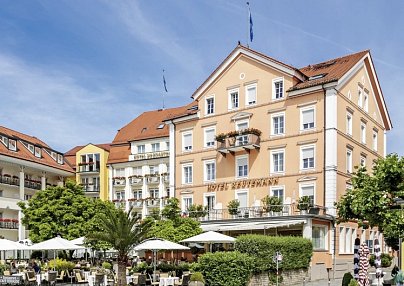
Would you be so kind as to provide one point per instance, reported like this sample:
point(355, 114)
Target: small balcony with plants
point(9, 180)
point(119, 181)
point(152, 202)
point(32, 184)
point(153, 178)
point(235, 141)
point(136, 202)
point(8, 223)
point(119, 203)
point(136, 180)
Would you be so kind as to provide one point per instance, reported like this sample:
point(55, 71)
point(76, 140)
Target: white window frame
point(374, 140)
point(305, 147)
point(363, 132)
point(230, 102)
point(366, 101)
point(272, 190)
point(360, 97)
point(190, 180)
point(187, 148)
point(210, 144)
point(154, 145)
point(137, 170)
point(205, 170)
point(277, 115)
point(38, 152)
point(324, 239)
point(311, 185)
point(12, 144)
point(141, 148)
point(363, 161)
point(247, 87)
point(349, 161)
point(183, 199)
point(241, 157)
point(207, 113)
point(242, 191)
point(349, 118)
point(274, 93)
point(272, 164)
point(302, 110)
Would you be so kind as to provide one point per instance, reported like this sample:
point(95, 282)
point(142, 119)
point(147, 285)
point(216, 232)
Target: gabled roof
point(148, 125)
point(23, 153)
point(70, 156)
point(236, 53)
point(328, 71)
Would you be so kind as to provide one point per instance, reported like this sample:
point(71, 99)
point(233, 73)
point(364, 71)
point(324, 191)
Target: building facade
point(90, 164)
point(262, 128)
point(139, 163)
point(27, 165)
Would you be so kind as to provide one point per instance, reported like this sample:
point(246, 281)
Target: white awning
point(250, 225)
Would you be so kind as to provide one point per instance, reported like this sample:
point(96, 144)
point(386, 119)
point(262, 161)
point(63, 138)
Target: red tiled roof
point(24, 154)
point(328, 71)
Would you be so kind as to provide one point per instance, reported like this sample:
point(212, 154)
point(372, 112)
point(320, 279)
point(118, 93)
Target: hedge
point(296, 251)
point(226, 268)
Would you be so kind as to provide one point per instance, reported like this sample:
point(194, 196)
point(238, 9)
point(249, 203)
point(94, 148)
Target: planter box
point(290, 278)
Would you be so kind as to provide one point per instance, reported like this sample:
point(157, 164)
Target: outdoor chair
point(80, 279)
point(141, 280)
point(31, 278)
point(71, 276)
point(61, 276)
point(184, 281)
point(52, 275)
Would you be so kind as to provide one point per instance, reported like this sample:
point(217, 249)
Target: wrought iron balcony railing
point(239, 143)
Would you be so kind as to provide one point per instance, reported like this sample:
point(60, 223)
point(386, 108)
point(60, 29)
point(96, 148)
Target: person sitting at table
point(36, 268)
point(13, 268)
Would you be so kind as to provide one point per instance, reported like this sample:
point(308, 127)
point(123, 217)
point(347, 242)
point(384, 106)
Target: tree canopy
point(61, 210)
point(173, 227)
point(372, 200)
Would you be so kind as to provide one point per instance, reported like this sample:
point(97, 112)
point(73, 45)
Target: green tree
point(61, 210)
point(122, 230)
point(171, 210)
point(371, 200)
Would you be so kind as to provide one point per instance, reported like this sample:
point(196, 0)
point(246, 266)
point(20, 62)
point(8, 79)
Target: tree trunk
point(121, 275)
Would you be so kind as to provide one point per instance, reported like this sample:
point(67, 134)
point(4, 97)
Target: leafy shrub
point(107, 265)
point(141, 267)
point(296, 251)
point(60, 264)
point(386, 260)
point(233, 206)
point(272, 204)
point(347, 279)
point(197, 211)
point(165, 267)
point(226, 268)
point(353, 282)
point(2, 268)
point(197, 276)
point(304, 203)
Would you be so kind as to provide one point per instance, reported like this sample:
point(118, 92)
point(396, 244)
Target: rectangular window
point(186, 203)
point(31, 148)
point(141, 149)
point(278, 124)
point(155, 147)
point(307, 117)
point(307, 154)
point(60, 159)
point(210, 137)
point(363, 133)
point(374, 140)
point(187, 174)
point(349, 161)
point(154, 169)
point(363, 161)
point(366, 102)
point(349, 123)
point(12, 145)
point(210, 105)
point(251, 94)
point(278, 161)
point(360, 97)
point(137, 171)
point(308, 191)
point(278, 192)
point(154, 193)
point(120, 195)
point(242, 167)
point(137, 194)
point(277, 88)
point(210, 171)
point(233, 99)
point(4, 140)
point(120, 172)
point(38, 152)
point(187, 141)
point(318, 237)
point(341, 240)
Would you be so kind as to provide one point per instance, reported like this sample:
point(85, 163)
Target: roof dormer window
point(12, 145)
point(4, 140)
point(38, 152)
point(60, 159)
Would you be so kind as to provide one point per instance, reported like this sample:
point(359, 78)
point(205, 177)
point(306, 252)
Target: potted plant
point(233, 206)
point(272, 204)
point(399, 278)
point(196, 279)
point(220, 137)
point(304, 204)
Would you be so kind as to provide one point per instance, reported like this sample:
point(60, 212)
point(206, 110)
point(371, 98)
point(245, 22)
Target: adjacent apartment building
point(139, 163)
point(261, 127)
point(27, 165)
point(90, 165)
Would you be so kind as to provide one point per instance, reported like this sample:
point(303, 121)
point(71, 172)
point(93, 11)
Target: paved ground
point(336, 282)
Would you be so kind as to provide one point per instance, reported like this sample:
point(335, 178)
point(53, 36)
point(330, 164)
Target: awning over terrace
point(250, 225)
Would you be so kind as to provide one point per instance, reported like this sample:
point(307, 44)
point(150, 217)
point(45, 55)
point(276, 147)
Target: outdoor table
point(168, 281)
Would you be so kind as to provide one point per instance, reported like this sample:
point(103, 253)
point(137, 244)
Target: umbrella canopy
point(6, 244)
point(78, 241)
point(363, 265)
point(56, 243)
point(159, 244)
point(210, 237)
point(378, 261)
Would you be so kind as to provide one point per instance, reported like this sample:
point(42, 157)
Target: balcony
point(10, 180)
point(90, 188)
point(8, 223)
point(152, 202)
point(136, 180)
point(252, 213)
point(244, 140)
point(149, 155)
point(89, 167)
point(153, 179)
point(36, 185)
point(119, 181)
point(121, 204)
point(136, 203)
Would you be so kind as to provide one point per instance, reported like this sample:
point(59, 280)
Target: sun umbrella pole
point(154, 263)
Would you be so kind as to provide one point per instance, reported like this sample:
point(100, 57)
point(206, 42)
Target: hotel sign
point(151, 155)
point(241, 184)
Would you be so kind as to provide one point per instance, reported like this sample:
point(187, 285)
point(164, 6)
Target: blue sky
point(73, 72)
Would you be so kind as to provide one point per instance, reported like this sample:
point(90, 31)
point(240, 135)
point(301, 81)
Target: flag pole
point(248, 24)
point(165, 86)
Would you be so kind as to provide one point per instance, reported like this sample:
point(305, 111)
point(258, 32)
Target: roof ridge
point(17, 133)
point(336, 59)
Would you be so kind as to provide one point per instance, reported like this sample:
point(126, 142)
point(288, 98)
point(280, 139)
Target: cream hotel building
point(260, 127)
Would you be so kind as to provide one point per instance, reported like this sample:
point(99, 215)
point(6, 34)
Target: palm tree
point(122, 230)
